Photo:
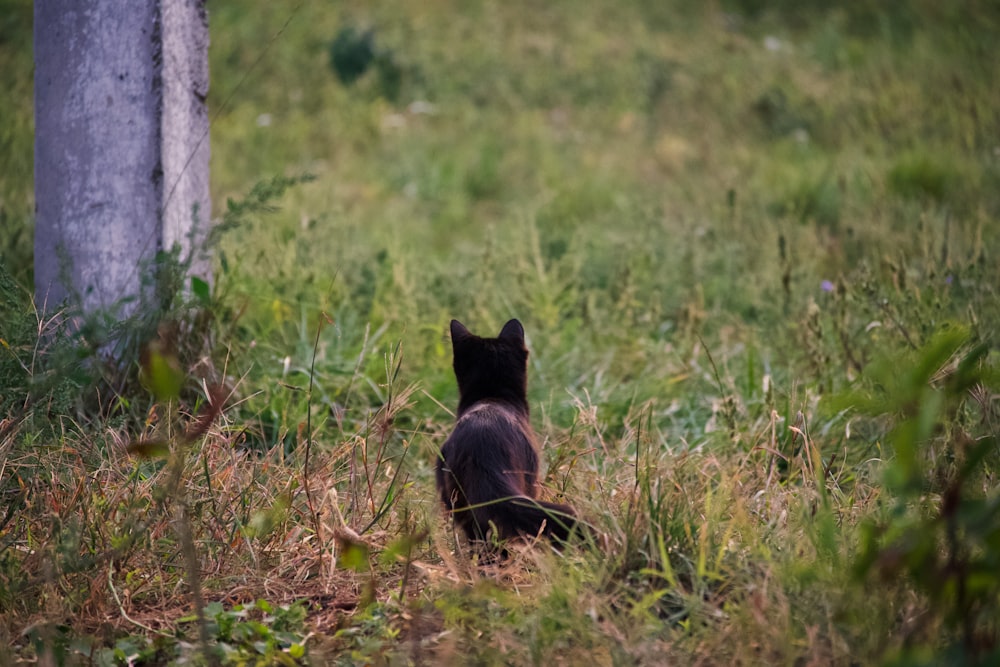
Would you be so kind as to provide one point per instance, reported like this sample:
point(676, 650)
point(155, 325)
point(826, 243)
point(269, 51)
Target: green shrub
point(921, 175)
point(940, 528)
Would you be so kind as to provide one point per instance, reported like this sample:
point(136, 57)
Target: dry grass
point(712, 222)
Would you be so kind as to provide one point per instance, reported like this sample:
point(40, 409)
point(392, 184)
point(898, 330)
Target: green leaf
point(263, 522)
point(401, 548)
point(104, 657)
point(150, 449)
point(936, 354)
point(353, 554)
point(214, 609)
point(200, 289)
point(161, 373)
point(82, 645)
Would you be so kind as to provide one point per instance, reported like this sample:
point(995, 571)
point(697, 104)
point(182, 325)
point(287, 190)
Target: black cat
point(488, 469)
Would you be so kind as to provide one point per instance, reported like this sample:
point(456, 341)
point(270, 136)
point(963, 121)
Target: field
point(754, 246)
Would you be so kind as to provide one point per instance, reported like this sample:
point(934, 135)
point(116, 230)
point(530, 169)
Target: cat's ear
point(459, 332)
point(513, 331)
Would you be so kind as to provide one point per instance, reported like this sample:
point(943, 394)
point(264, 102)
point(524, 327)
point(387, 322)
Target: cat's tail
point(521, 516)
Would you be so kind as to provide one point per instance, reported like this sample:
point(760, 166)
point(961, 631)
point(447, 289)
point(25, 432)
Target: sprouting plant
point(256, 633)
point(941, 529)
point(163, 376)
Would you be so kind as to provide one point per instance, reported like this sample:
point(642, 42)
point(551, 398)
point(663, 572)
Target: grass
point(752, 247)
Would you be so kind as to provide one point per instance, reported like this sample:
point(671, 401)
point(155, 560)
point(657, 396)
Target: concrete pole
point(121, 143)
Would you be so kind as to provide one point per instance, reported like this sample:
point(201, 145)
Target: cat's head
point(490, 367)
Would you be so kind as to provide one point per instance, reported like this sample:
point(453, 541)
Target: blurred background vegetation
point(738, 233)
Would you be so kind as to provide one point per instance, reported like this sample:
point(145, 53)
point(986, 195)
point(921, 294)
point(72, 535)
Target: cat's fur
point(487, 473)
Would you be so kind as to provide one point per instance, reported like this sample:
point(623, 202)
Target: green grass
point(734, 232)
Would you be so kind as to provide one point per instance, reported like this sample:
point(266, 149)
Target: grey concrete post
point(121, 143)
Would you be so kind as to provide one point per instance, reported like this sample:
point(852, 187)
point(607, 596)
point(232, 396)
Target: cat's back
point(491, 413)
point(492, 424)
point(491, 452)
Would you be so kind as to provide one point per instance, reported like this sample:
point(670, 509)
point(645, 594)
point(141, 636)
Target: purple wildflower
point(826, 286)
